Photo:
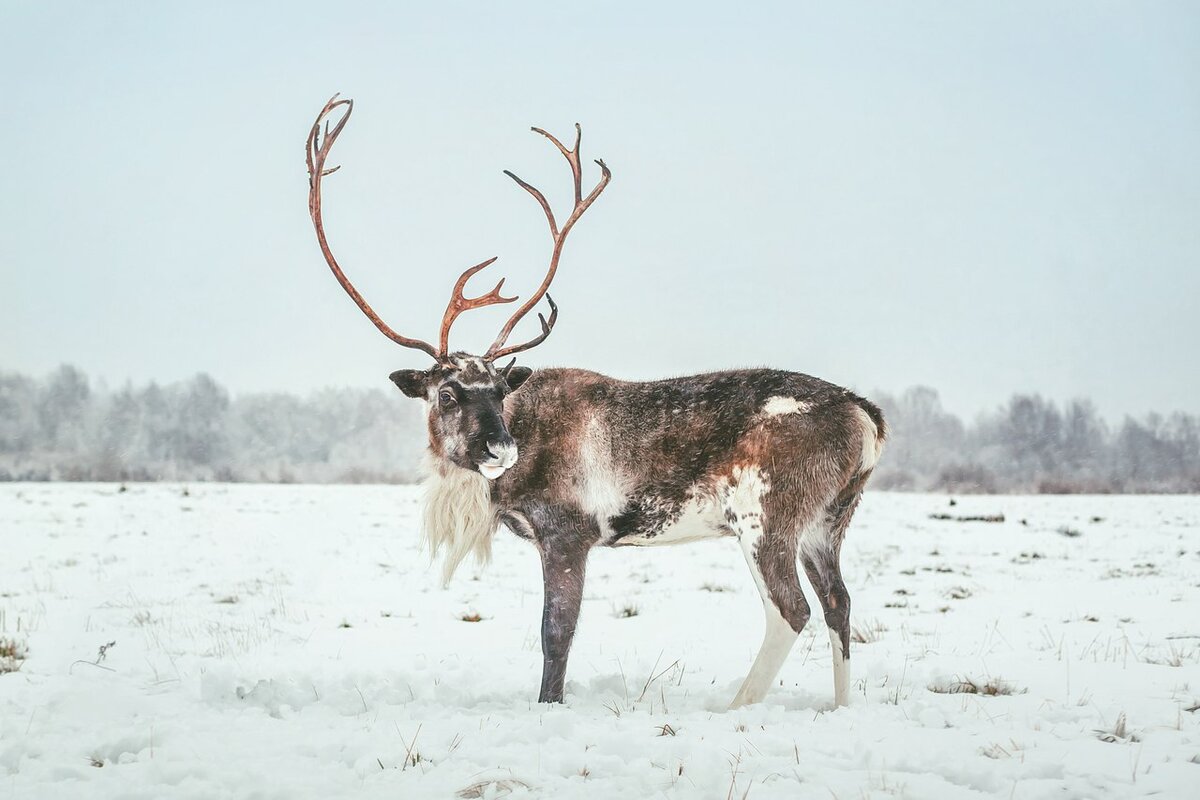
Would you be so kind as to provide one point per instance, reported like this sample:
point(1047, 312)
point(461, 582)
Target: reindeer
point(570, 460)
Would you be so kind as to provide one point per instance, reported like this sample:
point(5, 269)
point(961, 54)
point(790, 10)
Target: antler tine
point(497, 349)
point(460, 303)
point(547, 326)
point(541, 198)
point(571, 155)
point(316, 152)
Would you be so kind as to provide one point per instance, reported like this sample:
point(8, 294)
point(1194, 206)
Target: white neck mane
point(459, 515)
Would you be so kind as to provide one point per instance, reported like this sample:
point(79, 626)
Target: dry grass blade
point(411, 758)
point(655, 676)
point(735, 764)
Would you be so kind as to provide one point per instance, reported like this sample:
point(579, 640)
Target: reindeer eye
point(447, 398)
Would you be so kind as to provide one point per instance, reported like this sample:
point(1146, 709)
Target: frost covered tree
point(62, 406)
point(118, 441)
point(19, 423)
point(1021, 444)
point(200, 425)
point(925, 439)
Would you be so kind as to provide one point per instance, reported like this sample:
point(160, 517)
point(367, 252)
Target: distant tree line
point(1031, 444)
point(61, 427)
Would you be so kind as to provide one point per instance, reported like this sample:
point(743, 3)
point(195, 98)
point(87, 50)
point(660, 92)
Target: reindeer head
point(465, 401)
point(464, 393)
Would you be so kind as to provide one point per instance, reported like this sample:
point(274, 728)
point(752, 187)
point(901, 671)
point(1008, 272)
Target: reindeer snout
point(502, 455)
point(504, 451)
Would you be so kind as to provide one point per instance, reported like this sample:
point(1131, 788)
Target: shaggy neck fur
point(459, 515)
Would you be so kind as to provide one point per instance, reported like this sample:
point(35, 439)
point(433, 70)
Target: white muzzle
point(504, 456)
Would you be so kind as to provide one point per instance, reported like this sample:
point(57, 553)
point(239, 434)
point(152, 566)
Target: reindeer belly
point(657, 522)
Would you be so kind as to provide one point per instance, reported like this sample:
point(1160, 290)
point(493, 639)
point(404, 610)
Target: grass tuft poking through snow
point(993, 687)
point(1118, 733)
point(867, 631)
point(13, 653)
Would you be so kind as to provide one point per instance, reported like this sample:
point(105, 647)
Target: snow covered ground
point(291, 642)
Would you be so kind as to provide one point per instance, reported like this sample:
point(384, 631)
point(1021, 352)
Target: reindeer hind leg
point(772, 562)
point(820, 551)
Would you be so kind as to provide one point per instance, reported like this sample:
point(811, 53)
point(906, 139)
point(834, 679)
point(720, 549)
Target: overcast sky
point(981, 197)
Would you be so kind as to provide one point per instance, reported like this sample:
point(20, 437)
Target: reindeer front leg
point(564, 540)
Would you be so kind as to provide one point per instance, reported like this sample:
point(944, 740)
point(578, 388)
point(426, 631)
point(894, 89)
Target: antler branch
point(460, 303)
point(559, 235)
point(317, 151)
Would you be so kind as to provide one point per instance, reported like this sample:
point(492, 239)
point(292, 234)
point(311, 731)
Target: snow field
point(292, 642)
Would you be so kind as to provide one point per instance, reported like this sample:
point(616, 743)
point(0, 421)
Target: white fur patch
point(814, 542)
point(872, 445)
point(778, 635)
point(841, 671)
point(745, 490)
point(779, 405)
point(459, 516)
point(699, 519)
point(505, 454)
point(601, 493)
point(778, 638)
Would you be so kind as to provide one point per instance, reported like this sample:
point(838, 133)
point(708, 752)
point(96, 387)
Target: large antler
point(318, 146)
point(317, 151)
point(498, 350)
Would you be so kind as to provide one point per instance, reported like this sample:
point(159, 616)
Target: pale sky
point(980, 197)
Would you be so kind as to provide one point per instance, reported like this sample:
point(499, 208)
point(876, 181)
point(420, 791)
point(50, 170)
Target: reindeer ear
point(413, 382)
point(516, 376)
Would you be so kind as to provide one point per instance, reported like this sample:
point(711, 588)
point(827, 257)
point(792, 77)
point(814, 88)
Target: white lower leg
point(744, 507)
point(777, 643)
point(841, 670)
